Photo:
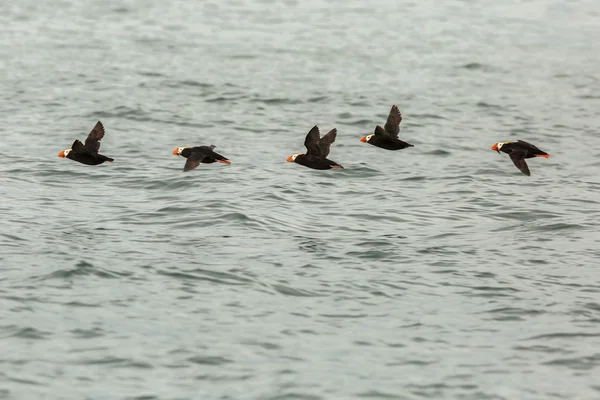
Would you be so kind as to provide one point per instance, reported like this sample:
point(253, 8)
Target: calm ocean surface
point(435, 272)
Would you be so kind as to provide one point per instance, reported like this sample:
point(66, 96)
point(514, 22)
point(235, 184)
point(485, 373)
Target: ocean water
point(435, 272)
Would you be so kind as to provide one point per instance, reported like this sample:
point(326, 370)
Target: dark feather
point(379, 131)
point(77, 146)
point(92, 143)
point(518, 158)
point(392, 125)
point(326, 141)
point(312, 142)
point(191, 163)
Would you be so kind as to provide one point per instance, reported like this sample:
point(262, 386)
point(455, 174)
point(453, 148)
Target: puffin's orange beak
point(363, 139)
point(175, 152)
point(224, 161)
point(495, 147)
point(61, 154)
point(289, 159)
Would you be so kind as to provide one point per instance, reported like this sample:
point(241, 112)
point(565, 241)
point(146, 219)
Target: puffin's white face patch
point(369, 137)
point(179, 150)
point(500, 144)
point(294, 157)
point(66, 152)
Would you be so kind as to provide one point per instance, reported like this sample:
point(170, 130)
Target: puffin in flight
point(387, 137)
point(518, 152)
point(87, 153)
point(317, 150)
point(199, 154)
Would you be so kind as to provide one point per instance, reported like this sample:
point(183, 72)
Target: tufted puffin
point(87, 153)
point(387, 137)
point(199, 154)
point(317, 150)
point(518, 152)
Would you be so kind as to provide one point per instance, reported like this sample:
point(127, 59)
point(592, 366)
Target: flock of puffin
point(317, 148)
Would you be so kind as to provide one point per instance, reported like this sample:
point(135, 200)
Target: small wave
point(577, 363)
point(377, 394)
point(209, 360)
point(343, 316)
point(224, 278)
point(439, 152)
point(83, 268)
point(542, 349)
point(87, 333)
point(116, 362)
point(318, 99)
point(278, 101)
point(295, 292)
point(563, 335)
point(426, 116)
point(359, 122)
point(475, 66)
point(373, 255)
point(28, 333)
point(188, 82)
point(556, 227)
point(151, 74)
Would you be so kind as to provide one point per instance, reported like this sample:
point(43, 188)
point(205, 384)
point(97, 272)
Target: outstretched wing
point(191, 162)
point(326, 142)
point(392, 125)
point(518, 158)
point(92, 143)
point(312, 142)
point(196, 156)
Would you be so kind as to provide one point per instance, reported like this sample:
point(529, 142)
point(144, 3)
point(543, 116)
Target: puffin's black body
point(199, 155)
point(316, 162)
point(518, 152)
point(317, 150)
point(387, 137)
point(88, 153)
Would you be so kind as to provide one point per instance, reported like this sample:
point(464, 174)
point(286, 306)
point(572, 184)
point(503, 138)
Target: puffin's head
point(365, 139)
point(177, 151)
point(64, 153)
point(292, 158)
point(498, 146)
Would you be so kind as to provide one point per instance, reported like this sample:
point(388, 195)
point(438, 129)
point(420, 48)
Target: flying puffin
point(87, 153)
point(317, 150)
point(199, 154)
point(518, 152)
point(387, 137)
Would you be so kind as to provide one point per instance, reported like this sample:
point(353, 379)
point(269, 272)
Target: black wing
point(326, 142)
point(379, 131)
point(190, 164)
point(92, 143)
point(78, 147)
point(312, 142)
point(518, 158)
point(392, 125)
point(196, 156)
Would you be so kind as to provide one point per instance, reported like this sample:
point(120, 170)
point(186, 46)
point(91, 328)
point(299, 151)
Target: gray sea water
point(435, 272)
